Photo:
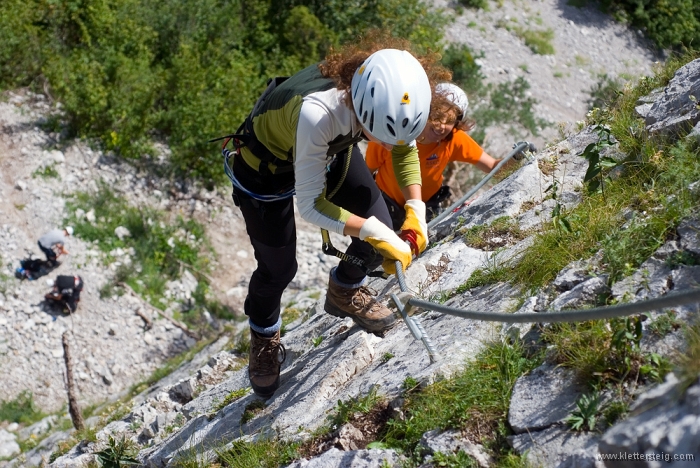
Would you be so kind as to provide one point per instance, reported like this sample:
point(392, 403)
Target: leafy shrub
point(130, 71)
point(465, 71)
point(669, 23)
point(540, 42)
point(483, 4)
point(21, 410)
point(159, 249)
point(508, 103)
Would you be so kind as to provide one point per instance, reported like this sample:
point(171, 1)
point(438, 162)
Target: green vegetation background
point(130, 72)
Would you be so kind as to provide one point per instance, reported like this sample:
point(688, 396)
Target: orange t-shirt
point(433, 160)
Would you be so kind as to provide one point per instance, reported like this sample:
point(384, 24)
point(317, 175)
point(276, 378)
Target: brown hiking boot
point(360, 305)
point(265, 359)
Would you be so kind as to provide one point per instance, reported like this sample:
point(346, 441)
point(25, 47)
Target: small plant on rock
point(346, 409)
point(117, 454)
point(664, 324)
point(585, 415)
point(596, 162)
point(231, 397)
point(615, 411)
point(251, 410)
point(46, 172)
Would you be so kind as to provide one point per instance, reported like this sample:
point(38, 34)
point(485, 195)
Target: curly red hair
point(340, 64)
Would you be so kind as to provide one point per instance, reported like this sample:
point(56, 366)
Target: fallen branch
point(75, 415)
point(179, 325)
point(144, 317)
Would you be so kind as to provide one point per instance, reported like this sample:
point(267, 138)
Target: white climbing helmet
point(458, 97)
point(391, 96)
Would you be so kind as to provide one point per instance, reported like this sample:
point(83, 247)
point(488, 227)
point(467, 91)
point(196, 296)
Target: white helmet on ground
point(391, 95)
point(69, 230)
point(458, 97)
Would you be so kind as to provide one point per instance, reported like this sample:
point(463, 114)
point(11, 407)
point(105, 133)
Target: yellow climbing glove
point(414, 228)
point(387, 243)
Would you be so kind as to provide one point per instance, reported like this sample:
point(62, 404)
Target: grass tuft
point(476, 401)
point(264, 453)
point(539, 41)
point(22, 409)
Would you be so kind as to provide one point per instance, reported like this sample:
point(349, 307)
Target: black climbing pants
point(272, 229)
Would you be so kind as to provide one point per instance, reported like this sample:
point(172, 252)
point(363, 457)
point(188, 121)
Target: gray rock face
point(352, 459)
point(676, 109)
point(544, 397)
point(652, 279)
point(664, 427)
point(571, 276)
point(689, 232)
point(582, 294)
point(8, 444)
point(557, 447)
point(526, 186)
point(450, 442)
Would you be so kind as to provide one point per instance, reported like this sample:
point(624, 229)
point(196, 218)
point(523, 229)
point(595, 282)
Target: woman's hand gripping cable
point(387, 243)
point(414, 229)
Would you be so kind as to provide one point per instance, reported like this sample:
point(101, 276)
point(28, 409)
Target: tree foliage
point(180, 71)
point(669, 23)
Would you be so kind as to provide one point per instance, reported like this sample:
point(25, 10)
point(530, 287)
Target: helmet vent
point(391, 119)
point(364, 117)
point(404, 123)
point(391, 130)
point(415, 126)
point(371, 91)
point(371, 122)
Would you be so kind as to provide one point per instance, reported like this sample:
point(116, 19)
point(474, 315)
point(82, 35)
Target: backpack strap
point(245, 136)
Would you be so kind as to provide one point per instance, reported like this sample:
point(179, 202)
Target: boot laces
point(363, 298)
point(270, 354)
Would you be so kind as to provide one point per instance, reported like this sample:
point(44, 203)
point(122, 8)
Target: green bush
point(465, 71)
point(483, 4)
point(131, 71)
point(669, 23)
point(21, 410)
point(604, 92)
point(160, 248)
point(509, 104)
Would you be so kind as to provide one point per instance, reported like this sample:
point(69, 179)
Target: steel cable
point(519, 148)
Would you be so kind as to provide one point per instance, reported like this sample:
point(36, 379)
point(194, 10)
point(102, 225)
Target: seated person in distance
point(67, 289)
